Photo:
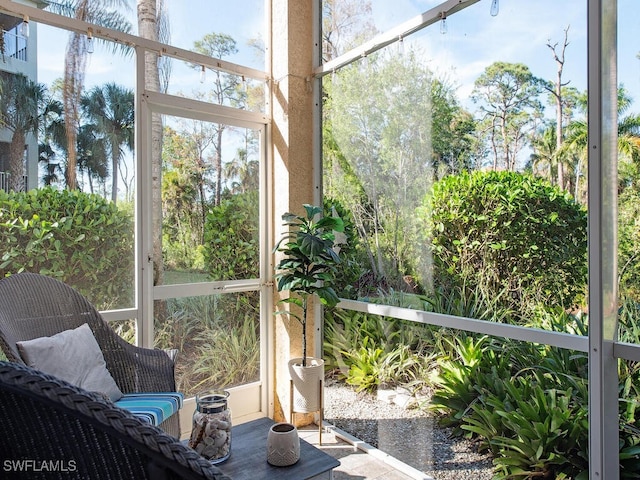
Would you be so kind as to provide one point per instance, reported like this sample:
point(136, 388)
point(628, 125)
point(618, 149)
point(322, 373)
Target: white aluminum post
point(315, 83)
point(144, 213)
point(602, 169)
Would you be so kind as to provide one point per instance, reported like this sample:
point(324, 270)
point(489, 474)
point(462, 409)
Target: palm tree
point(110, 108)
point(46, 155)
point(22, 104)
point(545, 151)
point(576, 140)
point(153, 24)
point(100, 12)
point(629, 137)
point(51, 136)
point(243, 172)
point(93, 155)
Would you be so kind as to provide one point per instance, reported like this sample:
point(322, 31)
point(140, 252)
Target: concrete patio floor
point(359, 461)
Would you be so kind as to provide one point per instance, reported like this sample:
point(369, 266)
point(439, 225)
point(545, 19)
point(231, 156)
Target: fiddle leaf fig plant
point(309, 264)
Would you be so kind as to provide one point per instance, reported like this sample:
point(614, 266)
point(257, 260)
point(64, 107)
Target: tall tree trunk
point(74, 70)
point(203, 203)
point(115, 157)
point(557, 93)
point(148, 28)
point(219, 166)
point(505, 143)
point(90, 182)
point(16, 161)
point(559, 129)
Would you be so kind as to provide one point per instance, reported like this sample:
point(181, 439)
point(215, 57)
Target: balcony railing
point(15, 45)
point(4, 182)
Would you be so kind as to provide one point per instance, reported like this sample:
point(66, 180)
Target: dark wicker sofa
point(34, 306)
point(52, 429)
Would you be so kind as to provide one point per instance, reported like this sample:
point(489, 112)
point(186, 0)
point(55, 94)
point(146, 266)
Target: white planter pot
point(308, 384)
point(283, 445)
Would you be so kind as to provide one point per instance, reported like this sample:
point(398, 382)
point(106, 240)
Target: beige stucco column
point(293, 146)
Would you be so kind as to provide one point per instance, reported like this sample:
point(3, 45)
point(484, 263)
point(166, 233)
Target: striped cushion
point(153, 408)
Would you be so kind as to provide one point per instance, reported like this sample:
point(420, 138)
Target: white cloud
point(519, 34)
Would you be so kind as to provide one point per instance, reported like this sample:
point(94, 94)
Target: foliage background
point(79, 238)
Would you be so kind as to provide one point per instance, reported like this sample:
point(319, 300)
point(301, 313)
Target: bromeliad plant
point(309, 264)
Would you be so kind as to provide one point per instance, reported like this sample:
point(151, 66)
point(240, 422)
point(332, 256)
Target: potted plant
point(307, 269)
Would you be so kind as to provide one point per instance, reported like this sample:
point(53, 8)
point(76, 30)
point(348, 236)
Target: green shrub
point(217, 337)
point(226, 358)
point(365, 367)
point(368, 350)
point(629, 243)
point(629, 320)
point(371, 367)
point(231, 238)
point(341, 334)
point(232, 243)
point(79, 238)
point(467, 365)
point(349, 269)
point(527, 404)
point(533, 431)
point(509, 236)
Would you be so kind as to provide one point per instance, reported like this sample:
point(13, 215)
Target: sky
point(518, 34)
point(243, 20)
point(474, 39)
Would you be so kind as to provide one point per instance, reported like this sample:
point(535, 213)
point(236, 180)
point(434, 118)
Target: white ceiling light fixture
point(444, 28)
point(90, 46)
point(495, 7)
point(24, 26)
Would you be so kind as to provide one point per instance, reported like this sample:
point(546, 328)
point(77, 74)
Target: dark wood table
point(248, 459)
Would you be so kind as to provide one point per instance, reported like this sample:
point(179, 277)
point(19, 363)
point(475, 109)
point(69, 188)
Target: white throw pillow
point(73, 356)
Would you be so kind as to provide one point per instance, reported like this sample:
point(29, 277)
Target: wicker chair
point(52, 429)
point(33, 305)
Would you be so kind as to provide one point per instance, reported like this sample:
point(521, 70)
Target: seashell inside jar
point(211, 432)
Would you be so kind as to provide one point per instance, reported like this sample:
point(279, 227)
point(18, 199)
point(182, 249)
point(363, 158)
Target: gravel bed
point(387, 422)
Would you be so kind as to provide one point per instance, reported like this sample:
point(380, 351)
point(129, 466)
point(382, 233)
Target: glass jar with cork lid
point(211, 431)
